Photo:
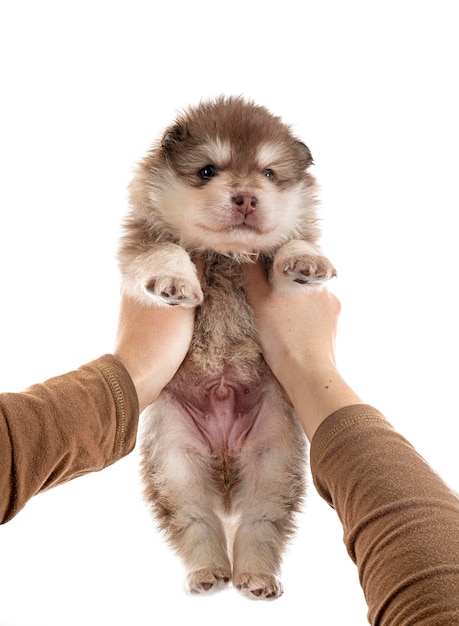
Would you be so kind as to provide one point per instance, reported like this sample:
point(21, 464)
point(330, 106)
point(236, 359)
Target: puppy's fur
point(222, 452)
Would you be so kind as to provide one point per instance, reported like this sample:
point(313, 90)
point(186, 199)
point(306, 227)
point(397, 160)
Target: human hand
point(297, 334)
point(152, 342)
point(293, 329)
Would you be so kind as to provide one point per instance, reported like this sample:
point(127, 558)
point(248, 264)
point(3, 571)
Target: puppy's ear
point(304, 154)
point(172, 138)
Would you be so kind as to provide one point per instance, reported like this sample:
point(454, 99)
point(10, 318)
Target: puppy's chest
point(218, 390)
point(224, 328)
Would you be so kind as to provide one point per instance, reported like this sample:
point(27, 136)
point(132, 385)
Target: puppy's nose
point(244, 203)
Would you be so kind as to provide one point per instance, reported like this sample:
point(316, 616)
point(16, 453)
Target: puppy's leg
point(257, 553)
point(177, 485)
point(164, 274)
point(200, 539)
point(271, 491)
point(300, 262)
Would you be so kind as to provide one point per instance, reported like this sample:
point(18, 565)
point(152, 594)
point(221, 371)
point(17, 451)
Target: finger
point(199, 264)
point(255, 280)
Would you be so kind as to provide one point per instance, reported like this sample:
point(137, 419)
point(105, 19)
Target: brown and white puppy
point(222, 452)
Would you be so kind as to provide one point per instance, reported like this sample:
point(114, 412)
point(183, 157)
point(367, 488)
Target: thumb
point(255, 281)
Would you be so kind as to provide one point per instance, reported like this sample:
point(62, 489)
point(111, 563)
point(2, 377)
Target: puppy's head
point(230, 177)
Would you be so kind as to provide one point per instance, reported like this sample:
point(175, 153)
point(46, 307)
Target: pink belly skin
point(221, 411)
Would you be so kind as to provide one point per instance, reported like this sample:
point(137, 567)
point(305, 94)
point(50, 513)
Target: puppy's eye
point(207, 172)
point(269, 174)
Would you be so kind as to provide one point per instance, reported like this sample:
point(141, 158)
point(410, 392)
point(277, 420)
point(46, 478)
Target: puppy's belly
point(220, 411)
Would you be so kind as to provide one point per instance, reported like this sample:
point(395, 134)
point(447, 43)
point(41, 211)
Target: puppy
point(223, 456)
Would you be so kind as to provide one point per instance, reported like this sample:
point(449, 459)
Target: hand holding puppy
point(297, 333)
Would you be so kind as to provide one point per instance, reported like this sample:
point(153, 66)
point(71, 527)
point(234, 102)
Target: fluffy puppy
point(222, 452)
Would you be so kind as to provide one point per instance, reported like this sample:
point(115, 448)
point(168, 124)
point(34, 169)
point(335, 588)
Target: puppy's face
point(231, 177)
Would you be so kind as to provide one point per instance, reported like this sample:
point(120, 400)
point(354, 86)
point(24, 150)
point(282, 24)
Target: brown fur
point(223, 453)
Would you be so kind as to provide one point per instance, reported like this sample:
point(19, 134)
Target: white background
point(372, 88)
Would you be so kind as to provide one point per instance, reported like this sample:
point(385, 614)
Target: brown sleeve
point(68, 426)
point(400, 520)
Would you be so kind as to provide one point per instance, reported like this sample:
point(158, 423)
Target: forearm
point(68, 426)
point(316, 393)
point(401, 522)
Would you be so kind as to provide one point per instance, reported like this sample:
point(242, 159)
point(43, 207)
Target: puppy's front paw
point(300, 262)
point(163, 275)
point(258, 586)
point(208, 579)
point(174, 290)
point(307, 269)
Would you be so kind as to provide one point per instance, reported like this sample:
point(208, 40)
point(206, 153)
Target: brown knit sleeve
point(400, 520)
point(68, 426)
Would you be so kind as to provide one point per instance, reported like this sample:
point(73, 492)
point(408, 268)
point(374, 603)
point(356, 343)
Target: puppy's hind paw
point(208, 580)
point(259, 586)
